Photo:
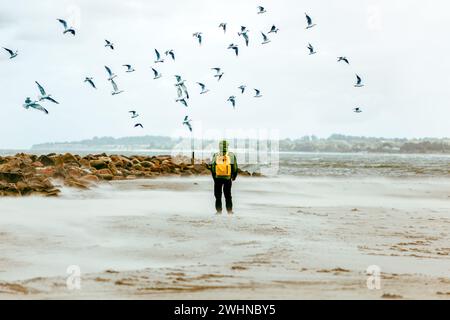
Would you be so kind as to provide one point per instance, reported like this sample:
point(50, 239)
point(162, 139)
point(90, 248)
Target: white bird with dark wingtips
point(171, 53)
point(274, 29)
point(183, 101)
point(129, 68)
point(265, 38)
point(309, 22)
point(311, 49)
point(90, 81)
point(235, 48)
point(261, 10)
point(244, 33)
point(357, 110)
point(242, 88)
point(12, 54)
point(359, 83)
point(44, 95)
point(33, 104)
point(257, 93)
point(199, 37)
point(223, 26)
point(187, 122)
point(134, 114)
point(181, 87)
point(158, 57)
point(109, 44)
point(243, 30)
point(111, 75)
point(156, 73)
point(343, 59)
point(204, 89)
point(219, 74)
point(66, 28)
point(115, 88)
point(232, 99)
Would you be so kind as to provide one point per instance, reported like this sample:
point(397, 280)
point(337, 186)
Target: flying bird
point(12, 54)
point(235, 48)
point(265, 38)
point(115, 88)
point(183, 101)
point(242, 88)
point(158, 57)
point(223, 26)
point(110, 73)
point(204, 89)
point(134, 114)
point(129, 68)
point(359, 83)
point(44, 95)
point(109, 44)
point(274, 29)
point(311, 49)
point(357, 110)
point(343, 59)
point(309, 21)
point(198, 35)
point(33, 104)
point(257, 93)
point(66, 28)
point(244, 34)
point(261, 10)
point(218, 74)
point(232, 99)
point(187, 122)
point(90, 81)
point(156, 73)
point(171, 53)
point(139, 125)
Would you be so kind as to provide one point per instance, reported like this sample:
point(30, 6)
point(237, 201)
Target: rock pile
point(25, 174)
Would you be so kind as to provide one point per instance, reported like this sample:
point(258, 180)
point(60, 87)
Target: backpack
point(223, 166)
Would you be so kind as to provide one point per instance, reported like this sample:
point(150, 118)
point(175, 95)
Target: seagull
point(257, 93)
point(261, 10)
point(223, 25)
point(171, 53)
point(244, 34)
point(179, 80)
point(44, 95)
point(12, 54)
point(181, 87)
point(359, 83)
point(274, 29)
point(134, 114)
point(158, 57)
point(183, 101)
point(265, 38)
point(309, 21)
point(242, 88)
point(198, 35)
point(157, 74)
point(187, 122)
point(218, 74)
point(343, 59)
point(357, 110)
point(33, 104)
point(115, 88)
point(232, 99)
point(129, 68)
point(243, 30)
point(109, 44)
point(235, 48)
point(311, 49)
point(90, 81)
point(139, 125)
point(66, 29)
point(110, 73)
point(204, 89)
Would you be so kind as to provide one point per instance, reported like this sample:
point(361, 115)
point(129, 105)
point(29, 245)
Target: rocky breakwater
point(25, 174)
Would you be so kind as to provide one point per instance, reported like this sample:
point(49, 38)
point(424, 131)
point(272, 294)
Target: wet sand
point(290, 238)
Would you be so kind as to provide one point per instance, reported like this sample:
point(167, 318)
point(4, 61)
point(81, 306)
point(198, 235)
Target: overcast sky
point(400, 48)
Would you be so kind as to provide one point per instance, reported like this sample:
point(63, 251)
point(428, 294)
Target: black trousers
point(224, 184)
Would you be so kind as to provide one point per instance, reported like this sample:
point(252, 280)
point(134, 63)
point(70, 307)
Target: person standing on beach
point(224, 169)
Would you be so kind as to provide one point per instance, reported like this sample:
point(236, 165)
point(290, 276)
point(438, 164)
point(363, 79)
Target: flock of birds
point(182, 91)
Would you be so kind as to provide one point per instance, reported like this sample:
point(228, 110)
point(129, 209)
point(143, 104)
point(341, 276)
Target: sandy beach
point(290, 238)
